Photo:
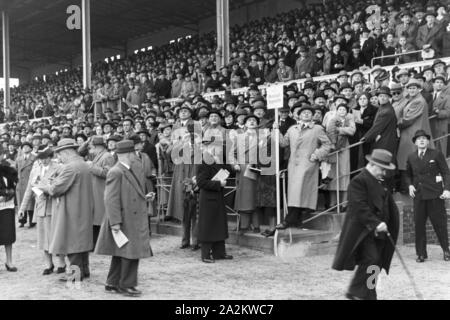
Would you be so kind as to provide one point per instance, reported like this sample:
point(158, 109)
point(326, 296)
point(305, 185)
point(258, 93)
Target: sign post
point(275, 101)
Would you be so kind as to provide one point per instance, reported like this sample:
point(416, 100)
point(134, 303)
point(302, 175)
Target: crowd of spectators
point(316, 40)
point(332, 38)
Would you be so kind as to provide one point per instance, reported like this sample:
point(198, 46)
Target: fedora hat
point(44, 152)
point(438, 61)
point(381, 158)
point(124, 146)
point(98, 141)
point(420, 133)
point(384, 90)
point(401, 72)
point(114, 138)
point(414, 82)
point(66, 143)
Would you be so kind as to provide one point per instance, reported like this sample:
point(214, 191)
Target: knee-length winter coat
point(303, 174)
point(369, 204)
point(125, 205)
point(413, 117)
point(212, 217)
point(73, 214)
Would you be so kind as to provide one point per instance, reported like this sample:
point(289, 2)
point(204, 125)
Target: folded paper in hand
point(120, 238)
point(223, 174)
point(38, 192)
point(249, 173)
point(7, 204)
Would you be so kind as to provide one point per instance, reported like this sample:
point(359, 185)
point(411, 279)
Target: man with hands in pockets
point(428, 177)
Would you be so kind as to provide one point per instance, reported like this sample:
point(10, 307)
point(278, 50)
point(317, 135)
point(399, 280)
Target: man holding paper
point(124, 233)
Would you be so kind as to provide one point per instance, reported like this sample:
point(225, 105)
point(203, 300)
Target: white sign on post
point(274, 97)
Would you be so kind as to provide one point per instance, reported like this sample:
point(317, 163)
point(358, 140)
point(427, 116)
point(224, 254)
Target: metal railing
point(394, 55)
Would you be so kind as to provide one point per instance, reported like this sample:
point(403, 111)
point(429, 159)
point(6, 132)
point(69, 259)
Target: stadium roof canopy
point(39, 35)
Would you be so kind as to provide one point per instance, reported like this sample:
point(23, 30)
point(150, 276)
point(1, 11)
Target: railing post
point(337, 183)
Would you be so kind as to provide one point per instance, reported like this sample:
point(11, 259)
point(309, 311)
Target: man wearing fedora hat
point(101, 162)
point(383, 133)
point(440, 112)
point(309, 144)
point(428, 178)
point(74, 212)
point(125, 212)
point(371, 213)
point(429, 36)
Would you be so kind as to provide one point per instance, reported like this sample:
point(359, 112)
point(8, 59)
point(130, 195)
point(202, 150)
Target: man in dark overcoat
point(383, 133)
point(371, 214)
point(125, 212)
point(212, 218)
point(428, 178)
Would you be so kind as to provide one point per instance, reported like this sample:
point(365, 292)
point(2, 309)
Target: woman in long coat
point(212, 218)
point(43, 171)
point(8, 181)
point(243, 154)
point(339, 130)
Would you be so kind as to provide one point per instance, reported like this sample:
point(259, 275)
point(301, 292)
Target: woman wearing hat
point(43, 171)
point(8, 181)
point(339, 130)
point(243, 155)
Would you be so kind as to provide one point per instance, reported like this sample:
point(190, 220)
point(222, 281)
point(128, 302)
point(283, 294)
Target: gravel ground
point(173, 274)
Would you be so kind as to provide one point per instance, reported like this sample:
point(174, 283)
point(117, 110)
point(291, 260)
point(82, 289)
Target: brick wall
point(408, 226)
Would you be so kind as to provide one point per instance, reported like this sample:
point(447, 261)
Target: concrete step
point(292, 242)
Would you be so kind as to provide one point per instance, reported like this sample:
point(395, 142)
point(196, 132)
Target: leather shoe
point(282, 226)
point(207, 260)
point(112, 289)
point(195, 248)
point(256, 230)
point(420, 259)
point(10, 269)
point(184, 246)
point(61, 270)
point(48, 271)
point(352, 297)
point(446, 255)
point(130, 292)
point(268, 233)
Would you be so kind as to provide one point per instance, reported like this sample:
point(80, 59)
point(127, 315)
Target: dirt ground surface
point(173, 274)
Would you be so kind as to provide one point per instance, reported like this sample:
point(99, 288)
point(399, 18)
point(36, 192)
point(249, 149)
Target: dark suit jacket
point(422, 174)
point(369, 204)
point(385, 126)
point(286, 124)
point(368, 117)
point(431, 36)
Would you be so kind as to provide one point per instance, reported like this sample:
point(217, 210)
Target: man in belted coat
point(440, 113)
point(125, 204)
point(428, 178)
point(73, 213)
point(99, 167)
point(371, 213)
point(24, 164)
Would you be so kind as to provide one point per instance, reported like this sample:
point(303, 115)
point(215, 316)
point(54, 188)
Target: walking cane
point(411, 279)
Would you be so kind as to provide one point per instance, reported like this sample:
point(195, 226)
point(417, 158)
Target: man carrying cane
point(371, 214)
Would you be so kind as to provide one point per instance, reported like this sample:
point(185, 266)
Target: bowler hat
point(438, 61)
point(401, 72)
point(66, 143)
point(26, 143)
point(215, 111)
point(114, 138)
point(124, 146)
point(251, 116)
point(381, 158)
point(303, 106)
point(420, 133)
point(440, 77)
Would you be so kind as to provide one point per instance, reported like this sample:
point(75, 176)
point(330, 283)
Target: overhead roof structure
point(39, 35)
